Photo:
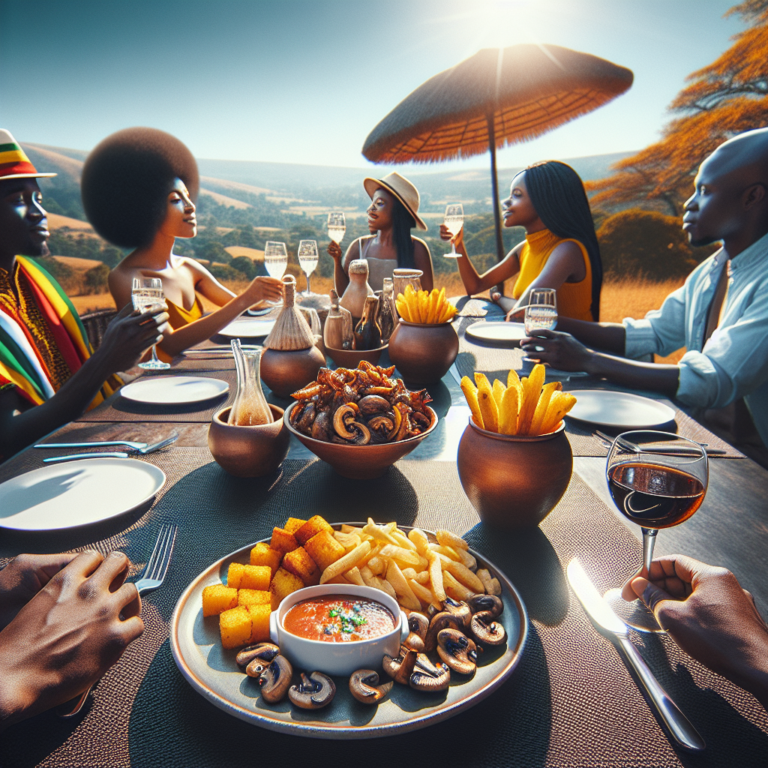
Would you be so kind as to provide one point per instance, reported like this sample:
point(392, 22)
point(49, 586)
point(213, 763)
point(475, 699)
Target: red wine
point(654, 496)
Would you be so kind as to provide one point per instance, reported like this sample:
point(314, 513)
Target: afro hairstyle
point(126, 182)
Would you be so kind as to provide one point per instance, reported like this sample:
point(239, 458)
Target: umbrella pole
point(495, 188)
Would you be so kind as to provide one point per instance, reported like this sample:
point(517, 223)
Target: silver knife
point(114, 454)
point(602, 614)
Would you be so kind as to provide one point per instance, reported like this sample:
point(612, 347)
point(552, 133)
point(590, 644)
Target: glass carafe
point(404, 277)
point(387, 313)
point(250, 407)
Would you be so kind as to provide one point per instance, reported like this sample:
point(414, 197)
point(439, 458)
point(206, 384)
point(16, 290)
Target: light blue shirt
point(734, 361)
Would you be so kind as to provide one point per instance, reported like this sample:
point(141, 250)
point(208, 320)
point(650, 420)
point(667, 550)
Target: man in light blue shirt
point(720, 315)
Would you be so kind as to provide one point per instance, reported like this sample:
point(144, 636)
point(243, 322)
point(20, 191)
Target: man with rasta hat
point(46, 360)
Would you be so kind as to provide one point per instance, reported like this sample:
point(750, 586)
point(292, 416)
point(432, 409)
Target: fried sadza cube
point(283, 541)
point(292, 524)
point(254, 597)
point(282, 585)
point(218, 598)
point(324, 549)
point(263, 554)
point(256, 577)
point(302, 565)
point(259, 615)
point(311, 528)
point(235, 626)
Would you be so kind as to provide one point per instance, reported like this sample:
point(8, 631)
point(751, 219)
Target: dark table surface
point(572, 700)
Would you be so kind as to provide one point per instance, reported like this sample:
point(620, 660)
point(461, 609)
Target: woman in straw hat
point(392, 214)
point(138, 188)
point(560, 249)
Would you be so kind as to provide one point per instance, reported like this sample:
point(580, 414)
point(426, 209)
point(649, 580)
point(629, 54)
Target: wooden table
point(572, 701)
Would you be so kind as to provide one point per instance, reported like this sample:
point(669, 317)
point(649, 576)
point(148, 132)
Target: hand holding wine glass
point(657, 480)
point(541, 312)
point(275, 262)
point(147, 294)
point(453, 222)
point(337, 226)
point(308, 258)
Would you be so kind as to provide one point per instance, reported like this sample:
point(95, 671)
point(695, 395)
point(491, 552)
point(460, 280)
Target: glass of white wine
point(275, 262)
point(541, 312)
point(453, 221)
point(308, 258)
point(147, 294)
point(337, 226)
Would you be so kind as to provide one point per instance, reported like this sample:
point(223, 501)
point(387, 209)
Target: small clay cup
point(285, 372)
point(514, 481)
point(423, 353)
point(248, 451)
point(349, 358)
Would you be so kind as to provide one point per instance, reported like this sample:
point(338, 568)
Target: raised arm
point(340, 265)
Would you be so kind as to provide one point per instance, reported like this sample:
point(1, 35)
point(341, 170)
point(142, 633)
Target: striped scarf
point(21, 365)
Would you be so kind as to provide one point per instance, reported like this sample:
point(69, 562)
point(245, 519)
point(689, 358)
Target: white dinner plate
point(619, 409)
point(76, 493)
point(248, 328)
point(497, 332)
point(174, 390)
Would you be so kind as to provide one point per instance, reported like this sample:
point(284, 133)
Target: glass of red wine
point(656, 480)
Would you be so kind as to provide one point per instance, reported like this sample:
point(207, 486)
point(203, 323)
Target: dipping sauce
point(339, 619)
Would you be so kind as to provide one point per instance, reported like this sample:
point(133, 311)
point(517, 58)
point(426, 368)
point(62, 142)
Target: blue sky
point(305, 82)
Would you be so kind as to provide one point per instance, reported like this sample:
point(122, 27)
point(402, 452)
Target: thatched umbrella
point(497, 97)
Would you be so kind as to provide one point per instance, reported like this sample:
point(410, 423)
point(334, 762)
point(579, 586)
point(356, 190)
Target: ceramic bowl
point(248, 451)
point(359, 462)
point(337, 658)
point(349, 358)
point(423, 353)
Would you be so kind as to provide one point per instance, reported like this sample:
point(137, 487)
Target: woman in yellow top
point(138, 188)
point(560, 249)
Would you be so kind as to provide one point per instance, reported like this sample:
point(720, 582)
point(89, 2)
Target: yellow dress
point(178, 317)
point(573, 299)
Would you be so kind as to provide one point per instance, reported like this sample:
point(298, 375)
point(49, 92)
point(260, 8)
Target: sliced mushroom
point(459, 609)
point(490, 603)
point(429, 677)
point(486, 630)
point(307, 418)
point(262, 653)
point(418, 624)
point(442, 620)
point(457, 651)
point(381, 424)
point(364, 686)
point(401, 667)
point(372, 405)
point(321, 427)
point(344, 414)
point(315, 691)
point(276, 679)
point(362, 435)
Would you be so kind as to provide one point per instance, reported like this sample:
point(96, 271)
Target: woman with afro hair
point(139, 186)
point(560, 249)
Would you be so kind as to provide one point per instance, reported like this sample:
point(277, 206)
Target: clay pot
point(248, 451)
point(423, 353)
point(284, 372)
point(349, 358)
point(512, 481)
point(360, 462)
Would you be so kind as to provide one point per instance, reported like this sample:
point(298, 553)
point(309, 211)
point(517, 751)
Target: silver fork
point(152, 578)
point(114, 454)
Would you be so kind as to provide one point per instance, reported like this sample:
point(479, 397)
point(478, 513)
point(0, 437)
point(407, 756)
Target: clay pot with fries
point(424, 343)
point(514, 459)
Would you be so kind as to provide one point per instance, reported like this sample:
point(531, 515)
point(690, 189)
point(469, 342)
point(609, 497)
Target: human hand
point(129, 335)
point(24, 577)
point(558, 349)
point(515, 315)
point(334, 250)
point(67, 636)
point(264, 289)
point(709, 615)
point(457, 240)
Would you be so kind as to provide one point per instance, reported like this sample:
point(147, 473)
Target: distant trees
point(725, 98)
point(95, 280)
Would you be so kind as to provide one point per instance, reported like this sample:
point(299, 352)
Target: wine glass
point(308, 259)
point(147, 294)
point(337, 226)
point(275, 262)
point(453, 221)
point(657, 480)
point(541, 312)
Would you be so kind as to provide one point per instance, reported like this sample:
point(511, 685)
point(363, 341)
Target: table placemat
point(572, 701)
point(117, 408)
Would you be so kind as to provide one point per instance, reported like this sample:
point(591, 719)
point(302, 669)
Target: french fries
point(424, 307)
point(523, 407)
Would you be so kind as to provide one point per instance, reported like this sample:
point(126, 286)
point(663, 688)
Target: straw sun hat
point(14, 163)
point(402, 189)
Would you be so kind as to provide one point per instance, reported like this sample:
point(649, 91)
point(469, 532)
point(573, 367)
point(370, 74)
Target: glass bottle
point(357, 290)
point(387, 313)
point(250, 407)
point(367, 331)
point(338, 331)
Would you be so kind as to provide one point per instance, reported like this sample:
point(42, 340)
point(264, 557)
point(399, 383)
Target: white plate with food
point(70, 495)
point(497, 332)
point(620, 410)
point(213, 673)
point(174, 390)
point(248, 328)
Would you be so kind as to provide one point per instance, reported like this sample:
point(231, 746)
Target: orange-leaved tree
point(725, 98)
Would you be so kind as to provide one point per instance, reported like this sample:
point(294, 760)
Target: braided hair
point(557, 193)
